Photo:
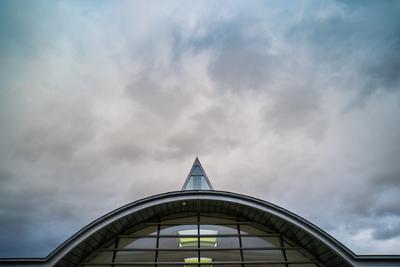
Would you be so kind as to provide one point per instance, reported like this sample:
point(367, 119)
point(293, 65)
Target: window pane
point(222, 255)
point(179, 229)
point(262, 255)
point(248, 229)
point(178, 242)
point(148, 230)
point(175, 256)
point(191, 262)
point(146, 242)
point(266, 265)
point(220, 242)
point(135, 256)
point(221, 229)
point(251, 242)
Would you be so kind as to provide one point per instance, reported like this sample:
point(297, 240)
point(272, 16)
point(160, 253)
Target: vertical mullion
point(115, 251)
point(157, 244)
point(198, 239)
point(283, 250)
point(240, 243)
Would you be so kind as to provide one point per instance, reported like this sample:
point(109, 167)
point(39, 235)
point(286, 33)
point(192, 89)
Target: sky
point(105, 102)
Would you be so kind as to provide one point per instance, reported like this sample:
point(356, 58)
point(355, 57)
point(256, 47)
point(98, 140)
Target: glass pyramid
point(197, 178)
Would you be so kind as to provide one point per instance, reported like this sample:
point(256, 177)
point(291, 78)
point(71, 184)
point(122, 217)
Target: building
point(199, 226)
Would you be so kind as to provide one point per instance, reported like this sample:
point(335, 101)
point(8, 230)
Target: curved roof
point(324, 247)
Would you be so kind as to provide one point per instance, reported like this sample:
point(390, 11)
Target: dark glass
point(263, 255)
point(147, 230)
point(222, 255)
point(265, 265)
point(185, 229)
point(251, 230)
point(303, 265)
point(135, 256)
point(252, 242)
point(175, 256)
point(178, 242)
point(219, 242)
point(145, 242)
point(220, 229)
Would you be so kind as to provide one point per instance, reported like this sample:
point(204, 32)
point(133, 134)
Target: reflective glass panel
point(220, 242)
point(186, 229)
point(145, 242)
point(263, 255)
point(176, 256)
point(252, 242)
point(135, 256)
point(191, 261)
point(221, 229)
point(148, 230)
point(222, 255)
point(248, 229)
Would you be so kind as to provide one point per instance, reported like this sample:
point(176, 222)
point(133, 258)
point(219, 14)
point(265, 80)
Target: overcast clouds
point(296, 103)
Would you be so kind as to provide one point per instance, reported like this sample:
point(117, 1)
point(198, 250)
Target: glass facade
point(200, 240)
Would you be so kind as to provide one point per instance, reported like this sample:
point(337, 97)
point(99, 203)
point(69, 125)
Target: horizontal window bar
point(198, 249)
point(220, 235)
point(202, 223)
point(207, 263)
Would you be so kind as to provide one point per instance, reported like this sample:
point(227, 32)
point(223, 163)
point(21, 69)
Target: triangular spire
point(197, 178)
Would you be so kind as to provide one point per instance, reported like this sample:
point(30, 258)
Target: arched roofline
point(114, 216)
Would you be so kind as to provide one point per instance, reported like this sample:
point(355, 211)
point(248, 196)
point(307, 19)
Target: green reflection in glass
point(192, 241)
point(196, 260)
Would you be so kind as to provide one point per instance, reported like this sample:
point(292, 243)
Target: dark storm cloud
point(242, 58)
point(362, 39)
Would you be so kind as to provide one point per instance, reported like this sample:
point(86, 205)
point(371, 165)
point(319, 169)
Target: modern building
point(200, 226)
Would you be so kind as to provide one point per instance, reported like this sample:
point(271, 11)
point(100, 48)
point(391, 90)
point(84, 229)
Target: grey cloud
point(241, 54)
point(358, 43)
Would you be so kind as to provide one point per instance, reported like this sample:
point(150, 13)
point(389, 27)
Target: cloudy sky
point(296, 103)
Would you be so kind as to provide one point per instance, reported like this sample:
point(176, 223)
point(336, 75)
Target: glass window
point(148, 230)
point(221, 229)
point(262, 255)
point(191, 261)
point(260, 242)
point(176, 243)
point(176, 229)
point(222, 255)
point(220, 242)
point(185, 237)
point(176, 256)
point(246, 229)
point(145, 242)
point(135, 256)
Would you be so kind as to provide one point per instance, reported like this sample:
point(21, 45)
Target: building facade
point(199, 226)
